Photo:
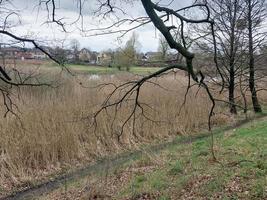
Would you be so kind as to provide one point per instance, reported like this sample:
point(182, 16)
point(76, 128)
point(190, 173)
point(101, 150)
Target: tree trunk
point(231, 89)
point(255, 102)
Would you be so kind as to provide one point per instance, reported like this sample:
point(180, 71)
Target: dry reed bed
point(54, 129)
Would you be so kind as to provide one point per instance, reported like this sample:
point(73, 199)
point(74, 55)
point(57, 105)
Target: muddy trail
point(110, 162)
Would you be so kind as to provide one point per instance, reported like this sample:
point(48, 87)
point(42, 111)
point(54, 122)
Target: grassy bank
point(81, 68)
point(111, 70)
point(91, 69)
point(185, 171)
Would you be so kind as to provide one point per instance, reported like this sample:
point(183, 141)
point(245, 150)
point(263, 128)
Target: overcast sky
point(31, 22)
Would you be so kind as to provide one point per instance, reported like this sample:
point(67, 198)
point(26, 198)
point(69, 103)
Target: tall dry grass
point(54, 128)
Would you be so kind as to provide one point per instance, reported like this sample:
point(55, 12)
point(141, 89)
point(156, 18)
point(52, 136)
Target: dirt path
point(112, 163)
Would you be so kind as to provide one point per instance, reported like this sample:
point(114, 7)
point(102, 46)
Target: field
point(108, 70)
point(53, 131)
point(86, 69)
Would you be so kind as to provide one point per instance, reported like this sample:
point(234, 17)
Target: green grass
point(106, 70)
point(93, 69)
point(144, 70)
point(188, 170)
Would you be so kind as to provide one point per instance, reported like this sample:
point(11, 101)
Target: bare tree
point(239, 38)
point(131, 49)
point(163, 48)
point(75, 47)
point(230, 42)
point(255, 16)
point(126, 56)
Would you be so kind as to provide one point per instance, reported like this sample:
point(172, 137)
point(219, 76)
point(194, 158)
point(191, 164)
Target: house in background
point(38, 54)
point(143, 57)
point(150, 56)
point(23, 53)
point(9, 52)
point(85, 55)
point(104, 58)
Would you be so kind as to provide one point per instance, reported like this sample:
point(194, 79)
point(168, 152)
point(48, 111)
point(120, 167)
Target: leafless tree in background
point(75, 47)
point(230, 42)
point(255, 16)
point(163, 48)
point(239, 38)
